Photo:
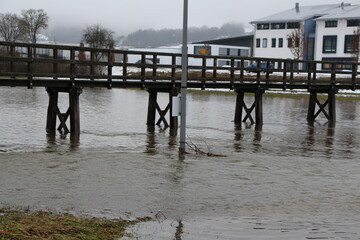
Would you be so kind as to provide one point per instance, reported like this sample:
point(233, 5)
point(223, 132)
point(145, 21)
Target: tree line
point(166, 37)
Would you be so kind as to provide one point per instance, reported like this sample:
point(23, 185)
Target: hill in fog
point(151, 37)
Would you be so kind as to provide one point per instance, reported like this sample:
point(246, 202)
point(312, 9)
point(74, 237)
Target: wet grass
point(41, 225)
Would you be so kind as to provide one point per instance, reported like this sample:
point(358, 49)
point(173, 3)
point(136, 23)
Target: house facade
point(337, 35)
point(320, 28)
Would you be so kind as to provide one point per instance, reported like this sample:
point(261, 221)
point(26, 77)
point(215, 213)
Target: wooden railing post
point(242, 66)
point(109, 69)
point(173, 70)
point(92, 63)
point(143, 69)
point(55, 64)
point(12, 54)
point(333, 74)
point(215, 68)
point(203, 73)
point(232, 73)
point(72, 66)
point(284, 67)
point(30, 67)
point(125, 60)
point(154, 60)
point(354, 74)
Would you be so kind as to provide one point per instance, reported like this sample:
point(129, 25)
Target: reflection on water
point(286, 179)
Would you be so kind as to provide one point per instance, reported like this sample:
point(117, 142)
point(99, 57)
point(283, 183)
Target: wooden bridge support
point(315, 101)
point(154, 107)
point(241, 105)
point(54, 112)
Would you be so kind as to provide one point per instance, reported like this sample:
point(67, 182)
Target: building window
point(273, 42)
point(290, 42)
point(278, 26)
point(293, 25)
point(281, 42)
point(263, 26)
point(351, 43)
point(293, 42)
point(331, 24)
point(353, 22)
point(258, 42)
point(329, 44)
point(264, 43)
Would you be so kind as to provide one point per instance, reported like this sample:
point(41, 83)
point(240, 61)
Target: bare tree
point(97, 36)
point(9, 27)
point(296, 42)
point(32, 22)
point(355, 45)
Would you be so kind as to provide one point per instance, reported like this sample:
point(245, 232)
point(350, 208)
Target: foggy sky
point(124, 16)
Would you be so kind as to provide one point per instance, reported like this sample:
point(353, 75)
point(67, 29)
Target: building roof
point(342, 12)
point(243, 41)
point(302, 13)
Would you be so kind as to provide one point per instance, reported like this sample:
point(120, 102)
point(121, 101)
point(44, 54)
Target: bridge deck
point(41, 65)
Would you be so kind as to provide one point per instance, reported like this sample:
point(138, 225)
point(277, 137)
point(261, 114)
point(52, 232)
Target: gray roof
point(305, 12)
point(346, 12)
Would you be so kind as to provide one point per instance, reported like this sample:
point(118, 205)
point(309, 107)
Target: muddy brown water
point(287, 180)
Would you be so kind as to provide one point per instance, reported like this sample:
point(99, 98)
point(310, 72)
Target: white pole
point(184, 67)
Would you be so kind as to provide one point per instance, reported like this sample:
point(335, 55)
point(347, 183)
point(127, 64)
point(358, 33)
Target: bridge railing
point(33, 62)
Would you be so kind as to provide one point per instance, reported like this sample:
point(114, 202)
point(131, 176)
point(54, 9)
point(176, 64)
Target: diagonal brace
point(162, 114)
point(62, 118)
point(248, 112)
point(321, 108)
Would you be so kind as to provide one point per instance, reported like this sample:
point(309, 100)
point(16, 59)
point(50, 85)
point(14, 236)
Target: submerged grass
point(41, 225)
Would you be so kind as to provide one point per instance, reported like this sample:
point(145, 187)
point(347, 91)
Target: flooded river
point(287, 180)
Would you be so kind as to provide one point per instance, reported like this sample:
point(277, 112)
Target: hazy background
point(126, 16)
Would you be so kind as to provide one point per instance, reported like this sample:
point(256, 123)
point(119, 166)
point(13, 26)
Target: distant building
point(327, 31)
point(237, 47)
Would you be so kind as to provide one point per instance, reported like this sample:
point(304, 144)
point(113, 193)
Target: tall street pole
point(184, 67)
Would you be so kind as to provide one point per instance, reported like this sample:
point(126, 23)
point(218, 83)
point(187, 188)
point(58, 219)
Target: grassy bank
point(41, 225)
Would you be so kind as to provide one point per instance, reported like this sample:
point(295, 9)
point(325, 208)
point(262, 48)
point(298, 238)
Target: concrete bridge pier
point(73, 112)
point(153, 108)
point(241, 107)
point(316, 103)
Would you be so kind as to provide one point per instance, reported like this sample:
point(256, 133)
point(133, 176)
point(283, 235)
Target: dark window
point(281, 42)
point(290, 43)
point(273, 42)
point(351, 43)
point(329, 44)
point(293, 42)
point(258, 42)
point(353, 22)
point(264, 42)
point(293, 25)
point(278, 26)
point(331, 24)
point(261, 26)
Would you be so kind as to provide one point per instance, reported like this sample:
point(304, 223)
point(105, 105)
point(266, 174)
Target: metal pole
point(184, 66)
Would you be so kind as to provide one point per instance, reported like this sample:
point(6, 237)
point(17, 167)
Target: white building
point(335, 34)
point(324, 27)
point(196, 49)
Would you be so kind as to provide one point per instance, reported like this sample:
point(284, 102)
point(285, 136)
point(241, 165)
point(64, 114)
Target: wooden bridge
point(69, 69)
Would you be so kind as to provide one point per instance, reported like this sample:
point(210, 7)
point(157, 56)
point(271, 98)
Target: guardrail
point(78, 65)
